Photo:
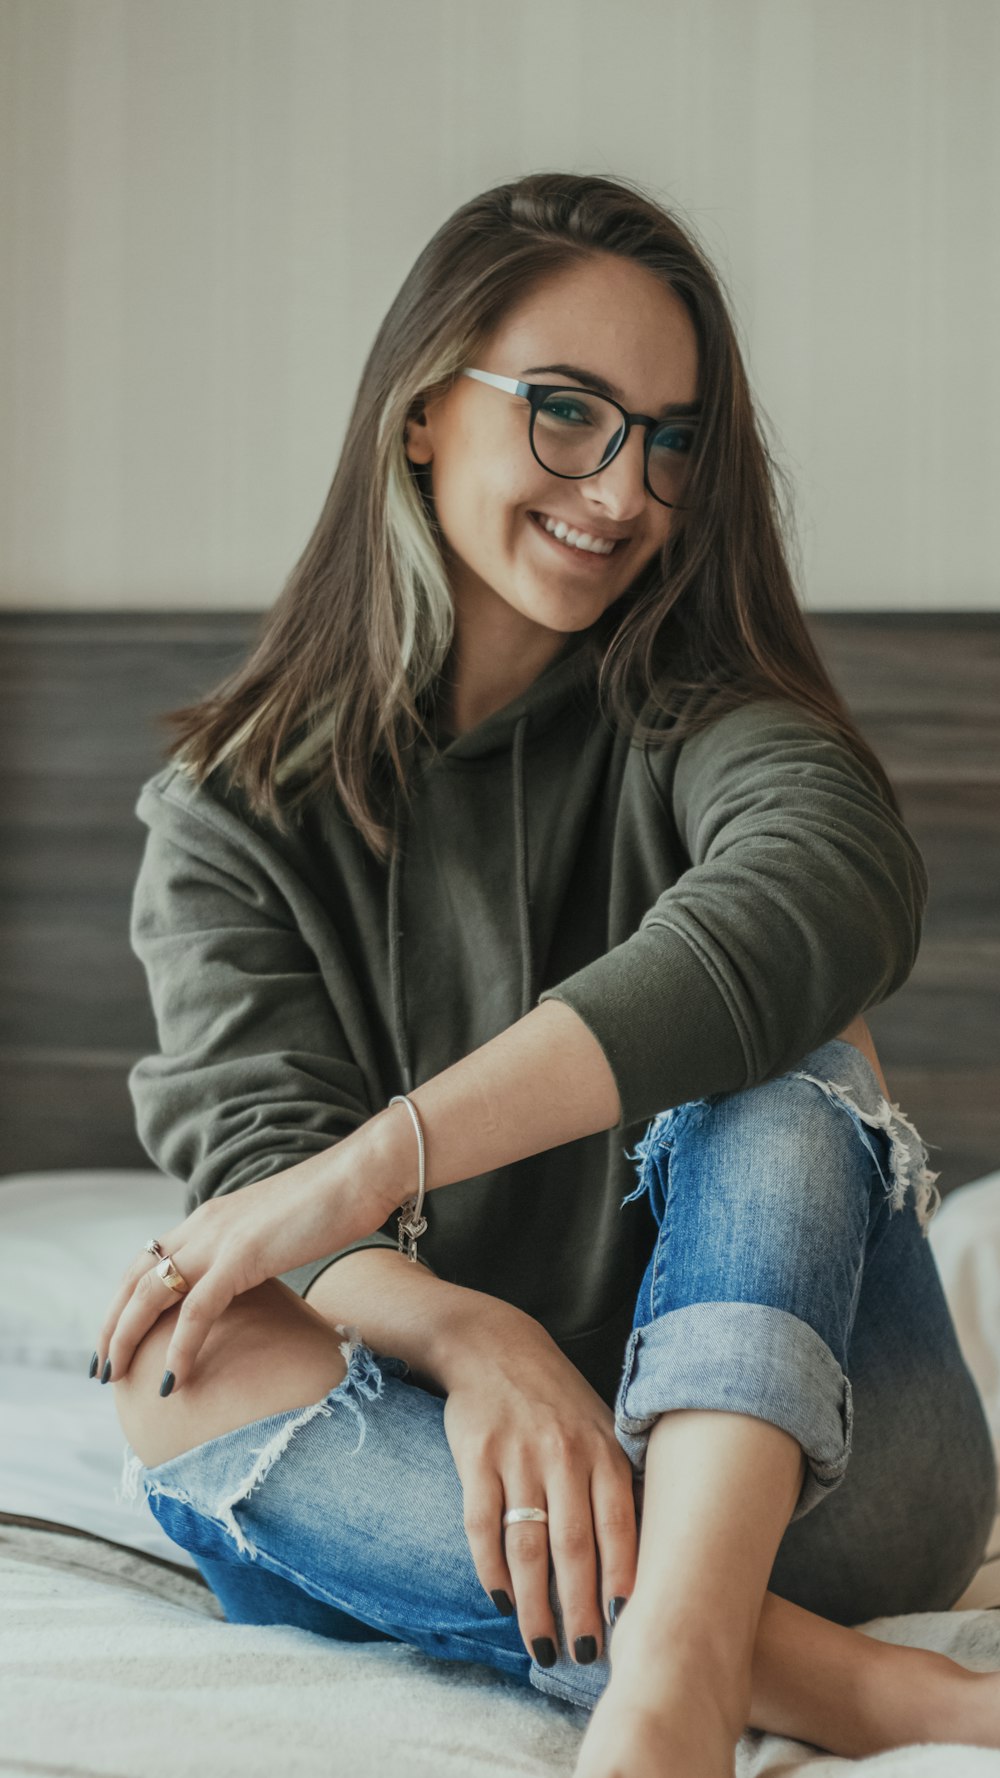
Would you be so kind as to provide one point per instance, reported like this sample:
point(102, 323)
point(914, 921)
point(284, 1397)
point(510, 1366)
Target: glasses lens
point(671, 455)
point(576, 432)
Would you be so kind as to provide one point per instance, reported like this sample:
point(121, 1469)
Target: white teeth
point(578, 539)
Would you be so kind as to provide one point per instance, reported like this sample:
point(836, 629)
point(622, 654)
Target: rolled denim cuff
point(740, 1358)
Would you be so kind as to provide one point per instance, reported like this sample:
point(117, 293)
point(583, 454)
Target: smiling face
point(612, 318)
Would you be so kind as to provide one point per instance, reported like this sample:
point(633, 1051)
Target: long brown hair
point(335, 689)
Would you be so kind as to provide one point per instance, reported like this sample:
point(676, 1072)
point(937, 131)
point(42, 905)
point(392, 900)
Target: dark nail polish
point(585, 1648)
point(544, 1652)
point(168, 1383)
point(616, 1605)
point(95, 1361)
point(502, 1603)
point(106, 1372)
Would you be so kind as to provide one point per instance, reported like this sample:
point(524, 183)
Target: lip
point(582, 555)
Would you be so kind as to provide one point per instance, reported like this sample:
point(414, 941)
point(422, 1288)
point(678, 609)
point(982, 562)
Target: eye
point(569, 409)
point(674, 440)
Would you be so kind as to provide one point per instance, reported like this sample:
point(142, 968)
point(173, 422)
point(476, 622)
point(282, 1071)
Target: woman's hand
point(526, 1429)
point(233, 1243)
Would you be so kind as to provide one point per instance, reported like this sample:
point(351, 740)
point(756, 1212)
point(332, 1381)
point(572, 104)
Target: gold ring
point(171, 1276)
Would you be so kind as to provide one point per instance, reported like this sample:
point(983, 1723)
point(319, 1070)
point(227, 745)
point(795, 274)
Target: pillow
point(65, 1239)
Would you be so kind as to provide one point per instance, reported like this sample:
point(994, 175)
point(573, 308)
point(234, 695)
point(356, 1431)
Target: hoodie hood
point(563, 691)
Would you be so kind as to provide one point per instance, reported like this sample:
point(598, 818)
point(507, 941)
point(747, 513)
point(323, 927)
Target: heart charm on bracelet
point(410, 1227)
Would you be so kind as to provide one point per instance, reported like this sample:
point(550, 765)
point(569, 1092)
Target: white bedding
point(117, 1664)
point(64, 1240)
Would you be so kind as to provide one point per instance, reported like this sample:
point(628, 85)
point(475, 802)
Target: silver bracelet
point(411, 1222)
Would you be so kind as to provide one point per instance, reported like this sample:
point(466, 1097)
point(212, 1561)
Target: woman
point(534, 791)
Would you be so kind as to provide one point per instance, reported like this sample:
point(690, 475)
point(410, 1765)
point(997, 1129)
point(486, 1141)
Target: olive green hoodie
point(712, 909)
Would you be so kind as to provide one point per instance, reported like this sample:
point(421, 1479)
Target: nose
point(618, 489)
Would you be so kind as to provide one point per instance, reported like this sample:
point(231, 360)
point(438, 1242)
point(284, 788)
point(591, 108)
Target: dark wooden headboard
point(79, 695)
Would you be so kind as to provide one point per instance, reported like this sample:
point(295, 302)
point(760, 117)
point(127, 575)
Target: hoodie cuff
point(645, 1030)
point(301, 1277)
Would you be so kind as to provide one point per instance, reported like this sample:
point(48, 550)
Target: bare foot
point(971, 1716)
point(659, 1713)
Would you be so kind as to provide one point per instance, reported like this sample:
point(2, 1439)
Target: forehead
point(611, 316)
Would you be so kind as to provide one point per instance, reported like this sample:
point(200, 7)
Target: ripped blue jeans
point(790, 1279)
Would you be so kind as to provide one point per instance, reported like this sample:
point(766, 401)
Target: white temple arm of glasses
point(509, 384)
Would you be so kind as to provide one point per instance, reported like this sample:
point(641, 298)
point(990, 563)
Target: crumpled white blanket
point(120, 1665)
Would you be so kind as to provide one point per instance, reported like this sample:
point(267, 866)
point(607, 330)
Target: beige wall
point(207, 205)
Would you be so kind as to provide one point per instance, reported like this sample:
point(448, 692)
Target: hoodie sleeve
point(801, 908)
point(254, 1071)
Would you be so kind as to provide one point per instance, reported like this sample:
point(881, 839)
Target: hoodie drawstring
point(395, 952)
point(521, 888)
point(521, 861)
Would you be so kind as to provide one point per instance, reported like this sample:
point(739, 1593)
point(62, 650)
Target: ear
point(417, 435)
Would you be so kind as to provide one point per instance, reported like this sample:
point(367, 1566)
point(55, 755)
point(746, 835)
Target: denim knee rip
point(907, 1150)
point(908, 1170)
point(364, 1378)
point(771, 1364)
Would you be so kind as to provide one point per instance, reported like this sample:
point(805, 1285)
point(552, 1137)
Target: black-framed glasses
point(574, 432)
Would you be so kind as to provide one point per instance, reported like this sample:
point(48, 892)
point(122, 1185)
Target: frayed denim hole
point(881, 1165)
point(642, 1154)
point(659, 1138)
point(879, 1144)
point(873, 1139)
point(907, 1151)
point(363, 1381)
point(664, 1162)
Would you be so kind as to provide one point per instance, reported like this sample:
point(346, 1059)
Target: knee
point(780, 1134)
point(781, 1156)
point(240, 1317)
point(266, 1352)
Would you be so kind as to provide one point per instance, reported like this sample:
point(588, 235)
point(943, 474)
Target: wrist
point(371, 1170)
point(470, 1328)
point(390, 1157)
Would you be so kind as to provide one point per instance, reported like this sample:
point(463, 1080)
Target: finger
point(483, 1504)
point(526, 1547)
point(149, 1298)
point(613, 1505)
point(200, 1310)
point(573, 1549)
point(135, 1271)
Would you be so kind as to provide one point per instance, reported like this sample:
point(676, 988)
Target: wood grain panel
point(79, 698)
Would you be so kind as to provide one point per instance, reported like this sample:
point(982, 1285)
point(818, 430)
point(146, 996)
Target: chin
point(565, 617)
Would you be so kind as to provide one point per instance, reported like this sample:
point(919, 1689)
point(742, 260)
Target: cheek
point(483, 512)
point(664, 532)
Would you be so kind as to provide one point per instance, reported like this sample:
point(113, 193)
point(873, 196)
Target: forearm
point(405, 1311)
point(540, 1083)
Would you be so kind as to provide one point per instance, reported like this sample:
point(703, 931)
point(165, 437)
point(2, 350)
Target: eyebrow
point(603, 387)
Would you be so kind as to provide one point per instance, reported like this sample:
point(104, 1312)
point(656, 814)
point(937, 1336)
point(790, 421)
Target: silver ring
point(519, 1513)
point(153, 1246)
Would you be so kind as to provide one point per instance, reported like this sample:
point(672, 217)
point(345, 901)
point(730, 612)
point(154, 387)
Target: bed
point(116, 1658)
